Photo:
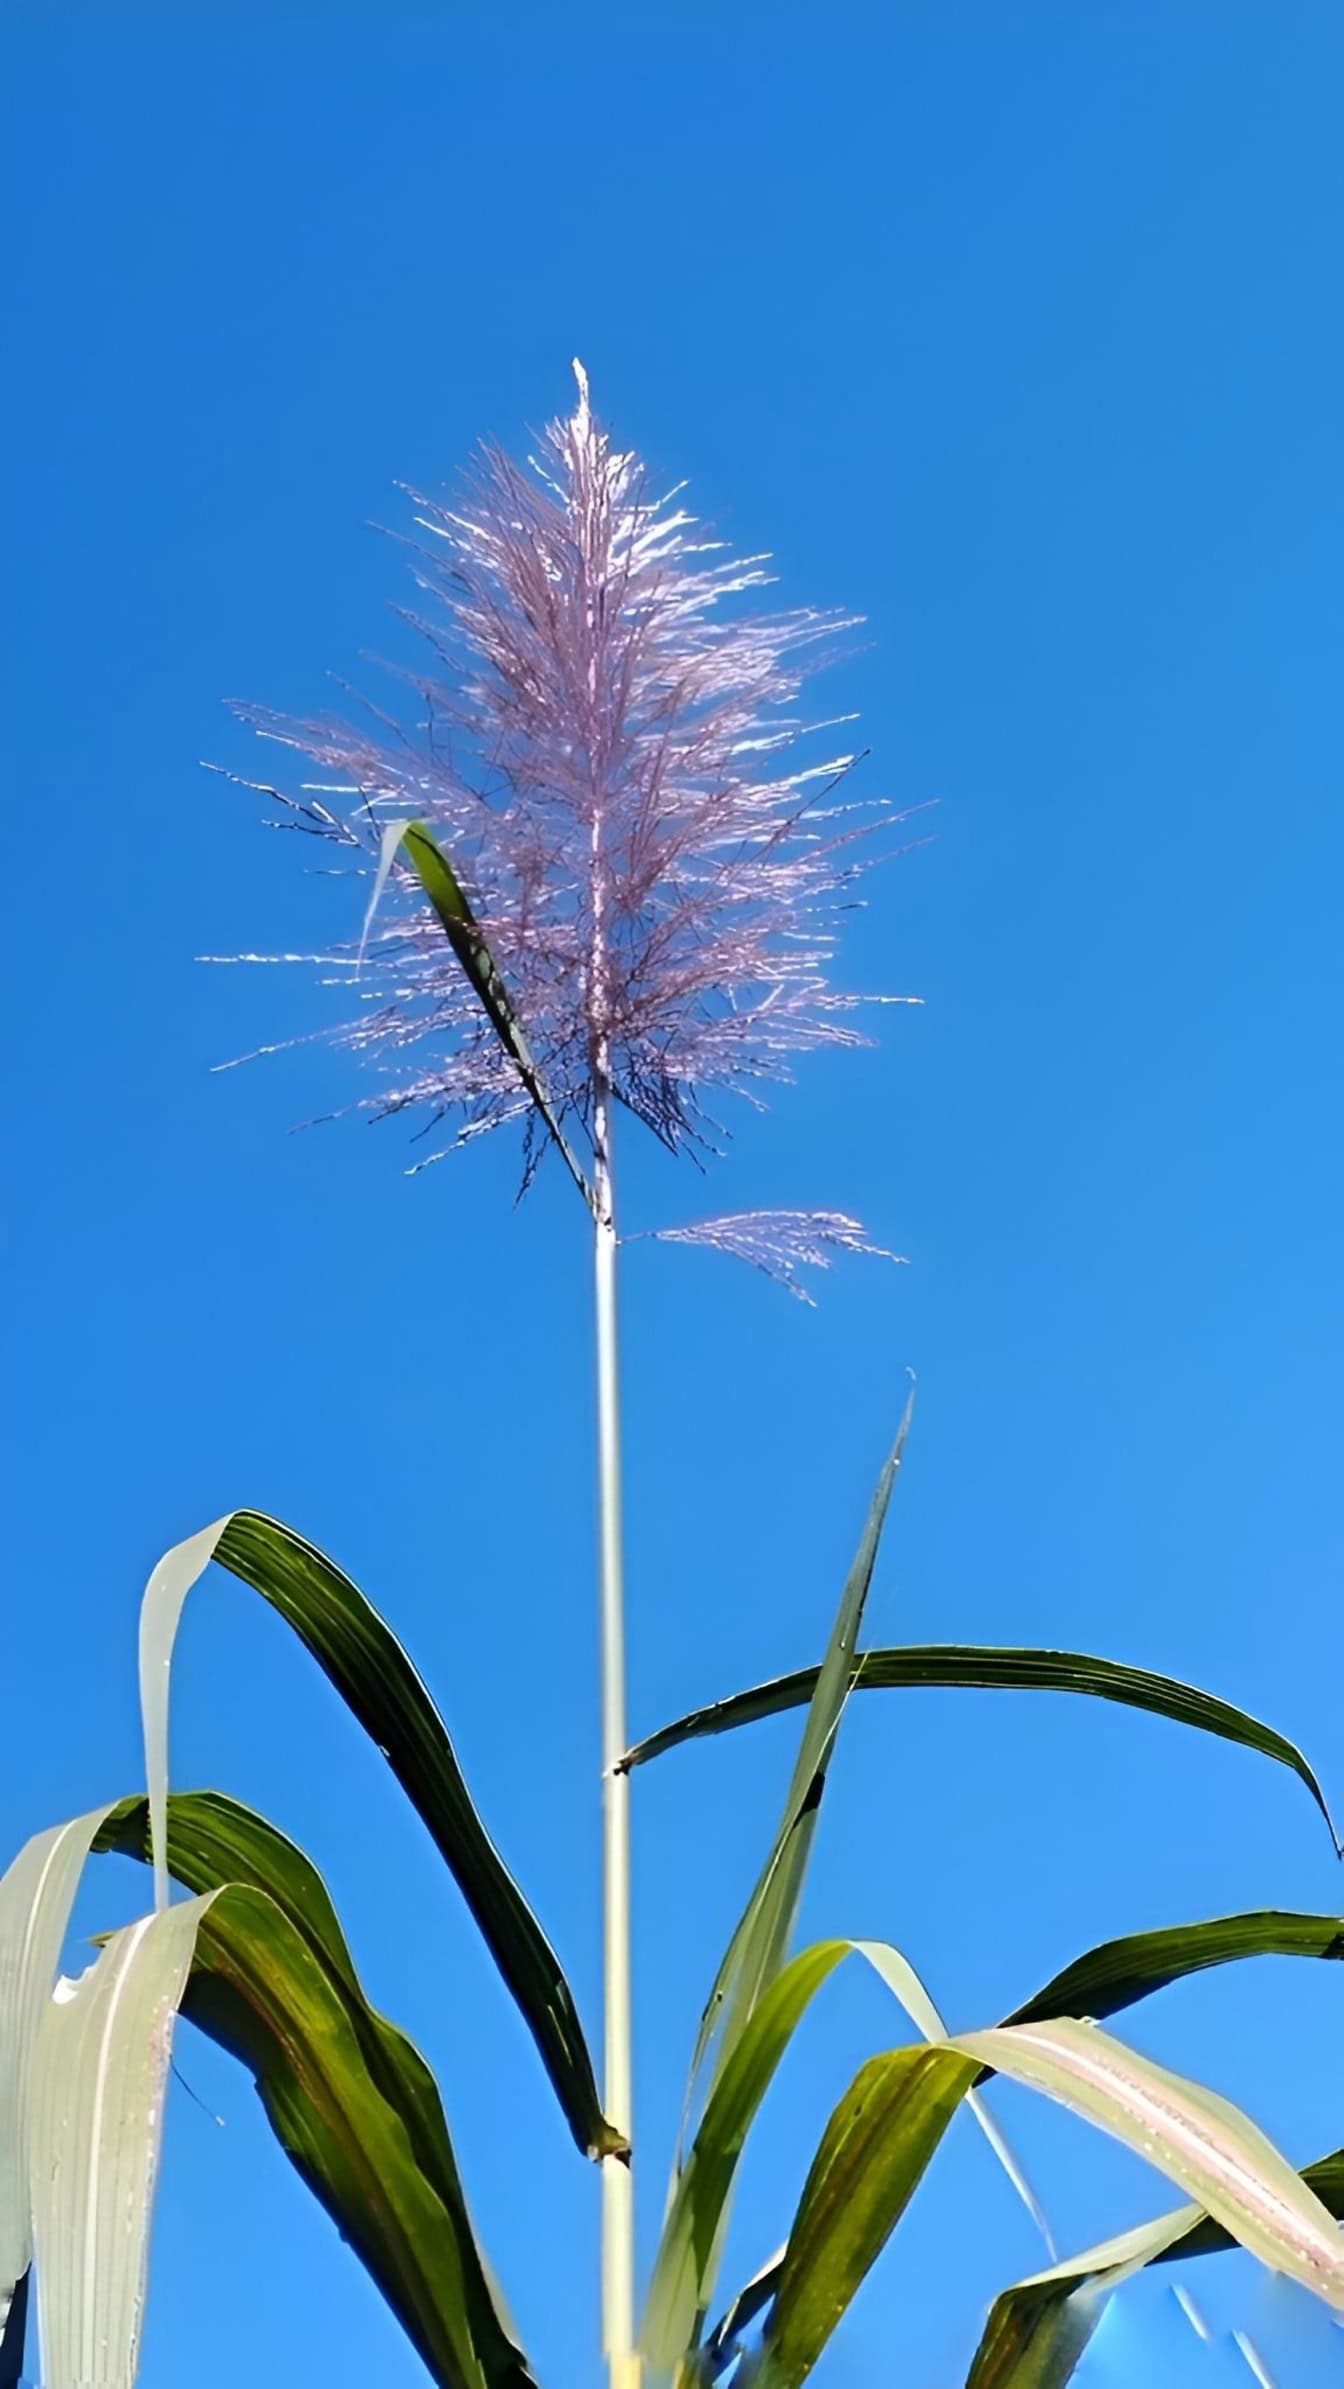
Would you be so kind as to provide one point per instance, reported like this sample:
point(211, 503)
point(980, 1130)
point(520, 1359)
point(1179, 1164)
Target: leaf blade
point(1193, 2135)
point(37, 1894)
point(214, 1842)
point(467, 939)
point(1118, 1973)
point(364, 1662)
point(1039, 2328)
point(99, 2072)
point(987, 1667)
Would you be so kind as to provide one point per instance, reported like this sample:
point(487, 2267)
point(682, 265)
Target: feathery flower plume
point(607, 749)
point(781, 1242)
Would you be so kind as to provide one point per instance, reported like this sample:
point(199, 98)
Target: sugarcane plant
point(603, 878)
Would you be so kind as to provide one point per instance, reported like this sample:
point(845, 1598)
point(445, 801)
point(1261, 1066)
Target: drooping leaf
point(36, 1896)
point(760, 1939)
point(1039, 2329)
point(1200, 2140)
point(214, 1841)
point(361, 1657)
point(690, 2249)
point(975, 1666)
point(467, 939)
point(1117, 1973)
point(885, 2129)
point(98, 2077)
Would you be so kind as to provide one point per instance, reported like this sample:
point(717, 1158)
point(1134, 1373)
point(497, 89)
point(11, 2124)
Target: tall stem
point(618, 2204)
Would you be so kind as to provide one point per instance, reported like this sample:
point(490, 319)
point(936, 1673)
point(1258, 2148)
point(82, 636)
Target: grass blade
point(759, 1942)
point(1117, 1973)
point(872, 2157)
point(36, 1897)
point(967, 1666)
point(1038, 2330)
point(1197, 2138)
point(213, 1841)
point(690, 2249)
point(885, 2129)
point(362, 1659)
point(99, 2074)
point(467, 939)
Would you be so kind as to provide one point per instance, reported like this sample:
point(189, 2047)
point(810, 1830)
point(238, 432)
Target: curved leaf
point(1117, 1973)
point(884, 2131)
point(214, 1841)
point(361, 1657)
point(978, 1666)
point(1038, 2330)
point(37, 1894)
point(1197, 2138)
point(872, 2157)
point(98, 2078)
point(690, 2249)
point(258, 1987)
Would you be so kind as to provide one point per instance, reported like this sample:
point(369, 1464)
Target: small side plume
point(781, 1243)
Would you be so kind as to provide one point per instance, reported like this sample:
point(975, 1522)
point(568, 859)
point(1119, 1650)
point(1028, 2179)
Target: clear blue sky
point(1018, 328)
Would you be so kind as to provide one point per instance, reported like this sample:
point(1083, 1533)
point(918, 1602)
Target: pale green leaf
point(36, 1897)
point(98, 2082)
point(1201, 2141)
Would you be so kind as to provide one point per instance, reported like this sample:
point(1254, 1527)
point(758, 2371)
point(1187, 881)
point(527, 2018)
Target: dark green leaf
point(761, 1938)
point(1117, 1973)
point(467, 939)
point(362, 1658)
point(975, 1666)
point(350, 2097)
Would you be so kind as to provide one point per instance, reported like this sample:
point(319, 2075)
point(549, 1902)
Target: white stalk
point(618, 2204)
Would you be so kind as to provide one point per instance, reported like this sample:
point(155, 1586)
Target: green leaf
point(976, 1666)
point(1117, 1973)
point(1199, 2139)
point(216, 1840)
point(872, 2157)
point(1038, 2330)
point(690, 2249)
point(273, 1981)
point(98, 2079)
point(760, 1940)
point(885, 2129)
point(362, 1658)
point(467, 939)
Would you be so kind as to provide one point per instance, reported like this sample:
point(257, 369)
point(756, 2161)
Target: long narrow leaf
point(1198, 2139)
point(467, 939)
point(872, 2157)
point(882, 2134)
point(1117, 1973)
point(362, 1658)
point(36, 1896)
point(976, 1666)
point(690, 2249)
point(99, 2073)
point(760, 1940)
point(1038, 2330)
point(213, 1841)
point(258, 1988)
